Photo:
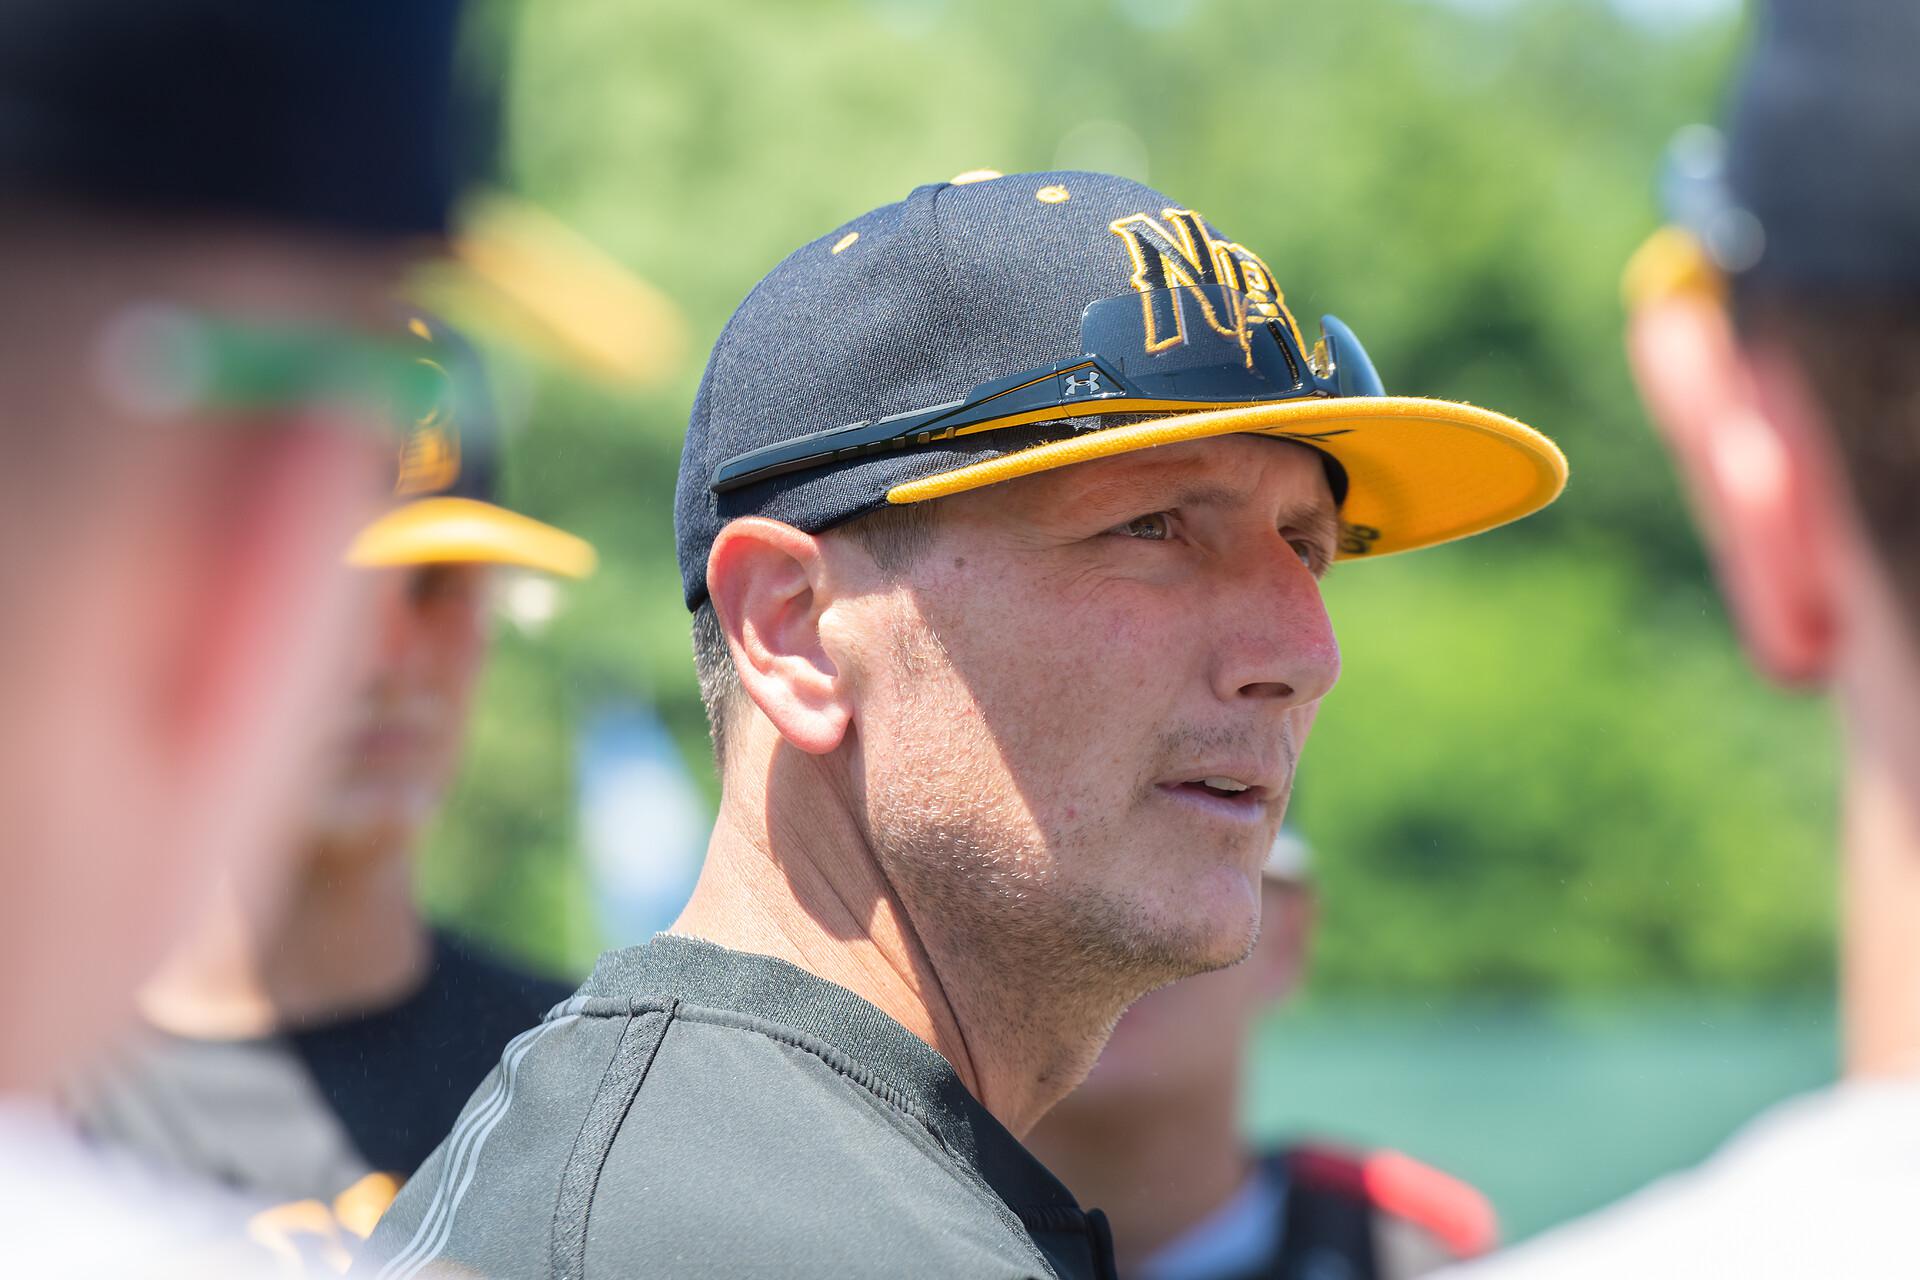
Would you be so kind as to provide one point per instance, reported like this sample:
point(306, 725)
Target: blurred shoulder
point(70, 1208)
point(474, 974)
point(1821, 1185)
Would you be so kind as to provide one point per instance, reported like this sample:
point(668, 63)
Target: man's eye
point(1157, 527)
point(1311, 554)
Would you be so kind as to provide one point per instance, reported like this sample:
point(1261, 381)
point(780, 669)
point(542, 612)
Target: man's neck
point(1880, 932)
point(1879, 694)
point(804, 887)
point(1158, 1168)
point(346, 937)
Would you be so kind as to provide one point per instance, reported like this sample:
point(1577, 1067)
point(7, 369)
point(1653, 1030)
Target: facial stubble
point(986, 880)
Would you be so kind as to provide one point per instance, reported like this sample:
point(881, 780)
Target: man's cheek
point(1060, 729)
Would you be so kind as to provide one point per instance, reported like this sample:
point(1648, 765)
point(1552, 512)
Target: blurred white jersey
point(1827, 1184)
point(68, 1211)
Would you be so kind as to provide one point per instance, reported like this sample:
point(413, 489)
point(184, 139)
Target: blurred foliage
point(1546, 768)
point(1537, 774)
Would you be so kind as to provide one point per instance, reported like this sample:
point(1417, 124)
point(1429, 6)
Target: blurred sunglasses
point(1187, 349)
point(165, 361)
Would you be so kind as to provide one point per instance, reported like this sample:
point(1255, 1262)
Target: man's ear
point(764, 579)
point(1748, 448)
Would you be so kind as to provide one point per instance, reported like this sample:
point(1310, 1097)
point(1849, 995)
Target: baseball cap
point(1813, 184)
point(922, 303)
point(338, 115)
point(447, 481)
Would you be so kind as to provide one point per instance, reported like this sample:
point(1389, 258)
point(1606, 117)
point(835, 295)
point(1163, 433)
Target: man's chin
point(1218, 940)
point(1219, 947)
point(360, 829)
point(1218, 907)
point(1168, 941)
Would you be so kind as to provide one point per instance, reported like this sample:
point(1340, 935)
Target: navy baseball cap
point(446, 484)
point(1824, 138)
point(987, 280)
point(1814, 184)
point(338, 115)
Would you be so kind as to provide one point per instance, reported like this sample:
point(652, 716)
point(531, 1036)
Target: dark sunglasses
point(1192, 348)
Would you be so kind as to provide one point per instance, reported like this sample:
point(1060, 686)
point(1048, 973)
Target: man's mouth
point(389, 738)
point(1223, 794)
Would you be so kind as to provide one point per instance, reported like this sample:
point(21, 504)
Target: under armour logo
point(1090, 384)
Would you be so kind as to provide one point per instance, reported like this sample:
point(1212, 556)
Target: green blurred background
point(1574, 859)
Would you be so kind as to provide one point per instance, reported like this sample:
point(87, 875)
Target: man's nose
point(1274, 640)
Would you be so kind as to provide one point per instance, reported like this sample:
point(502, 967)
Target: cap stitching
point(940, 242)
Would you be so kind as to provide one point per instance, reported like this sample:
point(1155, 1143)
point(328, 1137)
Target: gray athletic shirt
point(697, 1111)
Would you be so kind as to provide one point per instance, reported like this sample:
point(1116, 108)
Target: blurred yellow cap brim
point(1420, 472)
point(465, 530)
point(521, 276)
point(1670, 263)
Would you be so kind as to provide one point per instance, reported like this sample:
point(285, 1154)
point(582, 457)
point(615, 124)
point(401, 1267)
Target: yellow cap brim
point(520, 275)
point(1420, 472)
point(465, 530)
point(1670, 263)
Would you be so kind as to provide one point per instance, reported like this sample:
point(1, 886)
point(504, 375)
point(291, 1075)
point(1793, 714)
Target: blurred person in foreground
point(1007, 687)
point(1153, 1136)
point(311, 1045)
point(1775, 333)
point(204, 207)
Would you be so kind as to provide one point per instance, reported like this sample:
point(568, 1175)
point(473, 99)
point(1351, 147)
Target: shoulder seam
point(582, 1005)
point(620, 1083)
point(835, 1061)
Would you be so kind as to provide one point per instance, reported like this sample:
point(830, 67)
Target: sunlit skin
point(337, 929)
point(1099, 641)
point(1153, 1134)
point(1816, 607)
point(973, 791)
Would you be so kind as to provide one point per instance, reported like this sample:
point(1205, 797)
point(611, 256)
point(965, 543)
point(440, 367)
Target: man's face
point(1080, 709)
point(401, 740)
point(178, 622)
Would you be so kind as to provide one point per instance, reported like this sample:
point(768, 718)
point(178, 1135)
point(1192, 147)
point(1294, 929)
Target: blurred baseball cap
point(1813, 183)
point(993, 292)
point(336, 115)
point(446, 486)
